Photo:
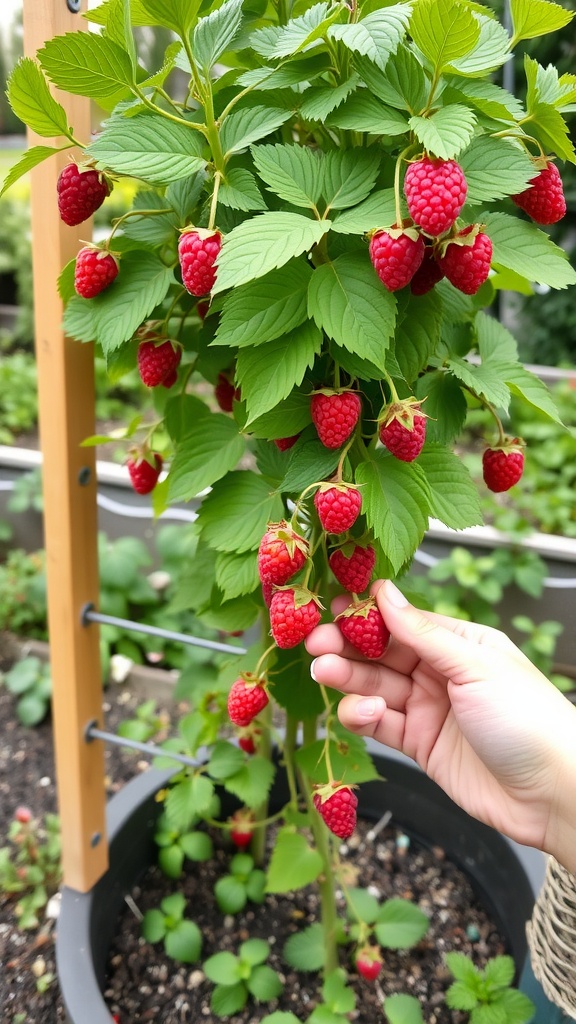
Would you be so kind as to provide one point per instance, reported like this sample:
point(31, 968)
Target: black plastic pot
point(505, 876)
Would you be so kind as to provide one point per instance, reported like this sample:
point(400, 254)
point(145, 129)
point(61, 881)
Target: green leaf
point(363, 112)
point(402, 85)
point(337, 992)
point(518, 1007)
point(395, 499)
point(348, 302)
point(178, 15)
point(188, 799)
point(301, 32)
point(244, 127)
point(32, 157)
point(488, 1013)
point(236, 574)
point(494, 168)
point(87, 64)
point(378, 211)
point(119, 28)
point(462, 968)
point(351, 761)
point(239, 191)
point(263, 243)
point(297, 71)
point(319, 101)
point(292, 172)
point(112, 317)
point(348, 176)
point(254, 952)
point(547, 123)
point(362, 906)
point(529, 387)
point(153, 926)
point(229, 999)
point(417, 334)
point(252, 783)
point(377, 35)
point(197, 846)
point(182, 413)
point(264, 984)
point(225, 759)
point(31, 101)
point(294, 863)
point(149, 147)
point(500, 971)
point(268, 373)
point(309, 461)
point(527, 250)
point(400, 924)
point(234, 515)
point(280, 1018)
point(292, 690)
point(216, 33)
point(156, 230)
point(184, 943)
point(443, 30)
point(184, 195)
point(168, 64)
point(460, 997)
point(489, 99)
point(403, 1009)
point(534, 18)
point(288, 418)
point(212, 447)
point(491, 50)
point(454, 496)
point(446, 132)
point(483, 380)
point(267, 308)
point(230, 894)
point(495, 342)
point(222, 968)
point(32, 709)
point(304, 951)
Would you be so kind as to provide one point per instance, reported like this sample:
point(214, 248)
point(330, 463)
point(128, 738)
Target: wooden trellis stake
point(66, 414)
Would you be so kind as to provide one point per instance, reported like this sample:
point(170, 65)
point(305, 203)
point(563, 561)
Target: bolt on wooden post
point(66, 415)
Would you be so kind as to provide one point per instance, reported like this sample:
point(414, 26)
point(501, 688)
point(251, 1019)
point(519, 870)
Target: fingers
point(370, 716)
point(362, 677)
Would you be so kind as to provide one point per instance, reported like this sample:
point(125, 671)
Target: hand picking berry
point(338, 506)
point(363, 626)
point(294, 613)
point(158, 360)
point(80, 193)
point(281, 554)
point(335, 415)
point(353, 566)
point(428, 274)
point(368, 963)
point(198, 250)
point(466, 260)
point(435, 191)
point(247, 698)
point(402, 429)
point(144, 469)
point(503, 465)
point(337, 806)
point(396, 255)
point(544, 200)
point(95, 270)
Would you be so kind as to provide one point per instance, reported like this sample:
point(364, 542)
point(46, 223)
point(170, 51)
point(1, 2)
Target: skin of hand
point(464, 702)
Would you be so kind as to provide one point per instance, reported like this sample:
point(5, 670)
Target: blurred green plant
point(30, 680)
point(18, 401)
point(30, 864)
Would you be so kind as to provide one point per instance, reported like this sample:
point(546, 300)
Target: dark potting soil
point(143, 984)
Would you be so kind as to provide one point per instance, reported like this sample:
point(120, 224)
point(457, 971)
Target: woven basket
point(552, 937)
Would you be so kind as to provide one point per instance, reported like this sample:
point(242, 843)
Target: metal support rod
point(90, 615)
point(94, 733)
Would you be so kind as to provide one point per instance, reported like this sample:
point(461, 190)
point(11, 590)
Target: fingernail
point(395, 596)
point(312, 673)
point(366, 708)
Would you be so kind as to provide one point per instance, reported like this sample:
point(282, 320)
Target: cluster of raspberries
point(422, 251)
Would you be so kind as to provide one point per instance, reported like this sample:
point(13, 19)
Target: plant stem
point(214, 202)
point(288, 758)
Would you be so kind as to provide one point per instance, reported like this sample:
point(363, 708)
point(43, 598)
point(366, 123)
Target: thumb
point(451, 651)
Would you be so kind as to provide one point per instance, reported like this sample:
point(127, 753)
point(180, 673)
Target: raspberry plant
point(324, 215)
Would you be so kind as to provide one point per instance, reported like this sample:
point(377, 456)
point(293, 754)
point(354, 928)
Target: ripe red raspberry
point(247, 698)
point(267, 593)
point(241, 828)
point(368, 963)
point(294, 613)
point(467, 265)
point(338, 506)
point(95, 271)
point(23, 815)
point(363, 626)
point(248, 739)
point(337, 806)
point(158, 360)
point(225, 393)
point(335, 415)
point(202, 308)
point(396, 255)
point(281, 554)
point(144, 471)
point(80, 193)
point(353, 570)
point(502, 466)
point(427, 275)
point(436, 192)
point(284, 443)
point(544, 200)
point(402, 429)
point(198, 250)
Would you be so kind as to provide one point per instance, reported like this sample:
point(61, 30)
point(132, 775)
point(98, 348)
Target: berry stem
point(133, 213)
point(501, 432)
point(262, 659)
point(290, 744)
point(214, 202)
point(390, 383)
point(397, 198)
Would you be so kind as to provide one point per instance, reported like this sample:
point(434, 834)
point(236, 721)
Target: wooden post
point(66, 414)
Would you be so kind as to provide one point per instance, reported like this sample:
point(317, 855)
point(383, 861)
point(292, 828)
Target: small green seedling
point(176, 846)
point(145, 724)
point(238, 977)
point(403, 1009)
point(31, 864)
point(182, 939)
point(339, 1001)
point(245, 882)
point(487, 995)
point(396, 923)
point(30, 680)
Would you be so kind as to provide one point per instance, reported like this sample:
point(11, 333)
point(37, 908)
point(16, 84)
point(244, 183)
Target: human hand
point(466, 704)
